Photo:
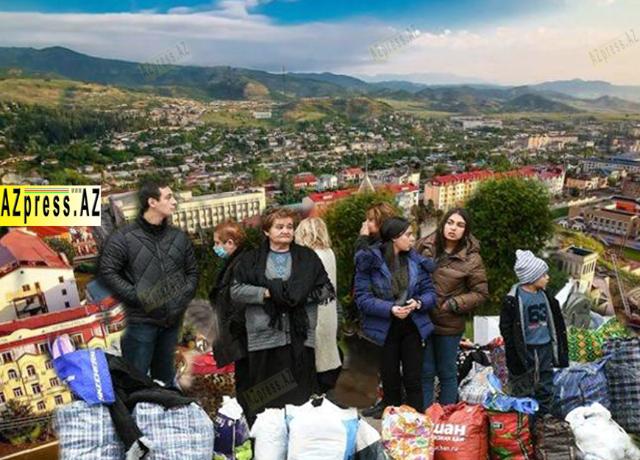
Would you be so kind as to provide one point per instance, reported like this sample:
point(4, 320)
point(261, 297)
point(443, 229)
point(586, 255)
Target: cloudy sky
point(495, 41)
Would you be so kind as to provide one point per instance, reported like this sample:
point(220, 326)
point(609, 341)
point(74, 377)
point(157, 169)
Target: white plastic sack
point(369, 443)
point(485, 329)
point(474, 387)
point(321, 433)
point(598, 436)
point(270, 434)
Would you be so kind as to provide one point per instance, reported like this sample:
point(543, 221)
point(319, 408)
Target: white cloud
point(535, 49)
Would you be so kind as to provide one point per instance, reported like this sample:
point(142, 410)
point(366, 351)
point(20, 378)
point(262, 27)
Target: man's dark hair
point(150, 189)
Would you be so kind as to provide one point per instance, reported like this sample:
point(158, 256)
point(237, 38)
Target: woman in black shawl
point(279, 286)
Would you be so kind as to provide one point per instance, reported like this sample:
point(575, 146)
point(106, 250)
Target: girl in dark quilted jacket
point(394, 293)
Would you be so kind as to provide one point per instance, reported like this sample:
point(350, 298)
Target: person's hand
point(267, 294)
point(400, 312)
point(450, 305)
point(413, 304)
point(364, 229)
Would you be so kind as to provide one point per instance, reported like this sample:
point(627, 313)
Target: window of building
point(64, 292)
point(2, 398)
point(54, 382)
point(58, 400)
point(42, 405)
point(12, 374)
point(61, 279)
point(77, 339)
point(17, 392)
point(43, 347)
point(49, 364)
point(37, 285)
point(7, 357)
point(31, 370)
point(25, 287)
point(67, 305)
point(36, 388)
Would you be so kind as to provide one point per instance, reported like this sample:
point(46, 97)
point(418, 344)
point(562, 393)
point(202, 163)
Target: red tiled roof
point(353, 171)
point(401, 188)
point(323, 197)
point(462, 177)
point(304, 178)
point(45, 232)
point(28, 249)
point(56, 317)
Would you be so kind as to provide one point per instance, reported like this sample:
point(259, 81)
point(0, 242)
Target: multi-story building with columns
point(197, 212)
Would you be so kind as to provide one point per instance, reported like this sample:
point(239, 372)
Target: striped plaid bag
point(86, 432)
point(623, 376)
point(181, 433)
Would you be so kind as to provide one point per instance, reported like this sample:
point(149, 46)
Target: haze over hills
point(223, 82)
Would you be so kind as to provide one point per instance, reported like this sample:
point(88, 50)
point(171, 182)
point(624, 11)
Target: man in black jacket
point(151, 267)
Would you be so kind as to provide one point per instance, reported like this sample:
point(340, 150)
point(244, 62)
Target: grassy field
point(52, 92)
point(236, 119)
point(560, 212)
point(631, 254)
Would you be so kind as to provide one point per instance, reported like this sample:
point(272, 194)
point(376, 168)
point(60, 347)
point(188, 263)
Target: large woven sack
point(580, 385)
point(460, 431)
point(181, 433)
point(510, 436)
point(623, 376)
point(554, 439)
point(86, 432)
point(407, 434)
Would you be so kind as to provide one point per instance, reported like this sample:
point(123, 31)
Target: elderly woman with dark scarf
point(279, 286)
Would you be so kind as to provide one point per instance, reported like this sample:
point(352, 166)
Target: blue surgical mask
point(220, 252)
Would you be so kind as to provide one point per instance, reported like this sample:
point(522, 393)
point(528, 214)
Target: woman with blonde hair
point(312, 232)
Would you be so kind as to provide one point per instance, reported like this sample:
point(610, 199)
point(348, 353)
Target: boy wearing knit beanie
point(534, 332)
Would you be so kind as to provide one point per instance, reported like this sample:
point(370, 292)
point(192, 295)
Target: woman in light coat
point(312, 232)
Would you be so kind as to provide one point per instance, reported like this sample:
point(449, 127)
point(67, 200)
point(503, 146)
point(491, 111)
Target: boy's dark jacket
point(511, 328)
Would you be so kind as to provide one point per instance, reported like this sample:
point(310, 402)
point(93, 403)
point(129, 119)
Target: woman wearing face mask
point(229, 335)
point(461, 285)
point(279, 286)
point(394, 294)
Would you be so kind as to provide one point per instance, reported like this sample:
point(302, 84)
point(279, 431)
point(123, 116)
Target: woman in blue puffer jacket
point(394, 293)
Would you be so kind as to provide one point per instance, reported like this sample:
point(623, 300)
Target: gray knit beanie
point(528, 267)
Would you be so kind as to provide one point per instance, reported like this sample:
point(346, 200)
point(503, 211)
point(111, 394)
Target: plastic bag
point(580, 385)
point(598, 436)
point(230, 427)
point(460, 431)
point(270, 434)
point(369, 443)
point(181, 433)
point(320, 430)
point(510, 436)
point(86, 373)
point(554, 439)
point(474, 388)
point(86, 433)
point(496, 400)
point(407, 434)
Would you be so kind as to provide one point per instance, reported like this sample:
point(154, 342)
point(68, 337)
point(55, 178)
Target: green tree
point(344, 220)
point(64, 246)
point(508, 214)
